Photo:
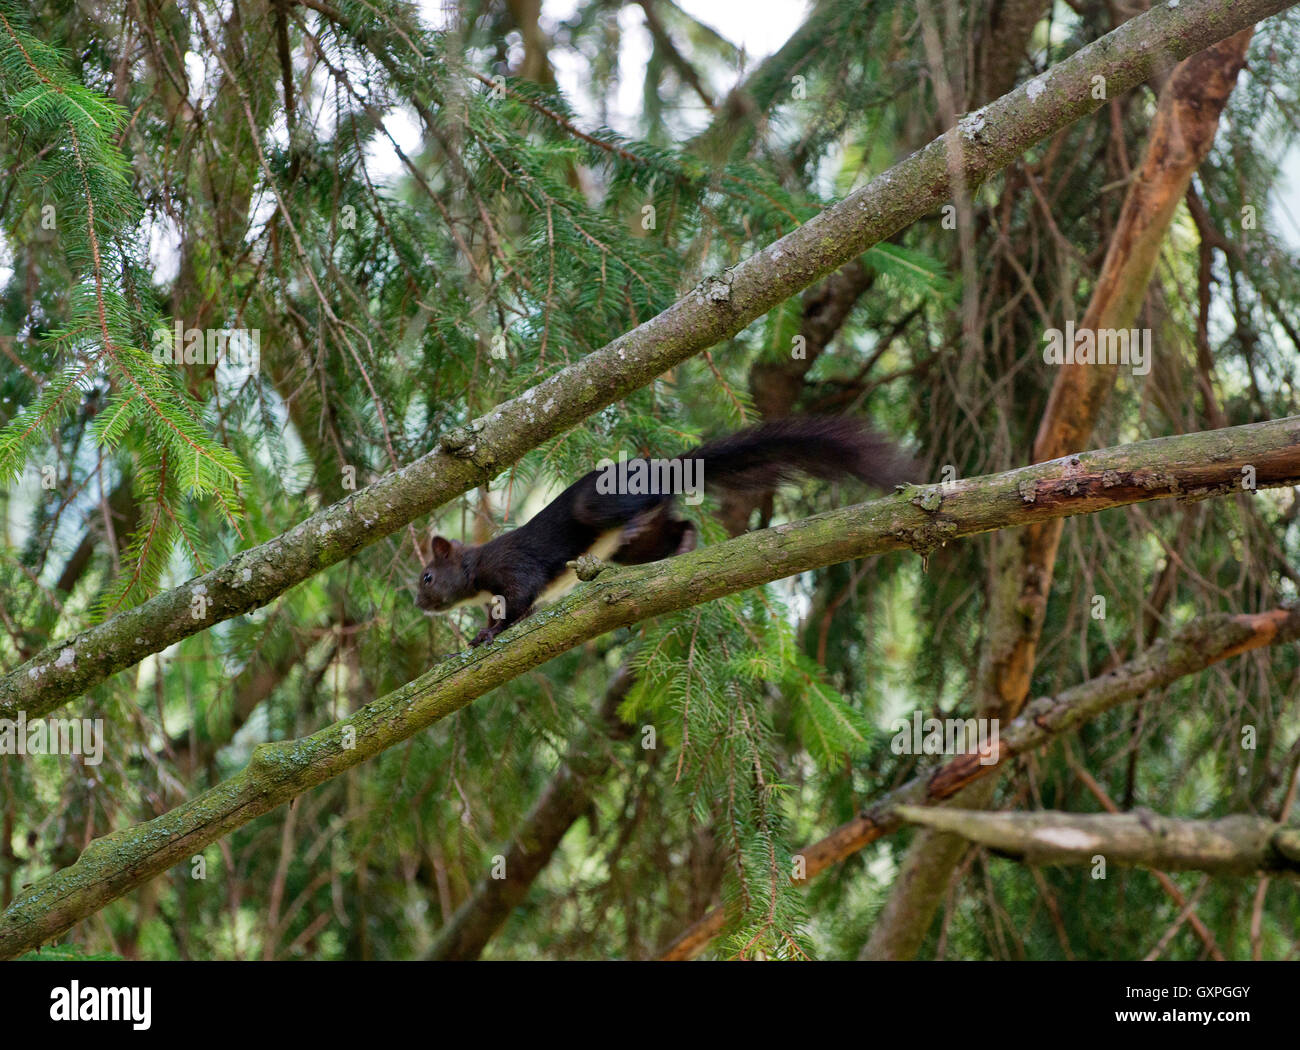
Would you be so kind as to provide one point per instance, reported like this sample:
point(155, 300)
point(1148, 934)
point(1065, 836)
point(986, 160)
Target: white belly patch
point(482, 598)
point(606, 544)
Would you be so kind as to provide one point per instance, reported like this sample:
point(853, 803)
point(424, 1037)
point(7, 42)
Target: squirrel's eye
point(428, 577)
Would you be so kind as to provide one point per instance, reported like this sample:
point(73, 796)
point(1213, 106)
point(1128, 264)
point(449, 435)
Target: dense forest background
point(426, 210)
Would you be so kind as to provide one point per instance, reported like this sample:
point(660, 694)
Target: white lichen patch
point(1066, 838)
point(66, 657)
point(972, 123)
point(1036, 87)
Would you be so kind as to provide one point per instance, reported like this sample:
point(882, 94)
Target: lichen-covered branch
point(719, 307)
point(919, 518)
point(1236, 845)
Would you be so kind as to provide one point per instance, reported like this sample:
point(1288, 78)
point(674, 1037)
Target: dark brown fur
point(519, 565)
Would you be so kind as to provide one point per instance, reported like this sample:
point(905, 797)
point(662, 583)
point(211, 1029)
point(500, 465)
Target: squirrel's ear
point(441, 548)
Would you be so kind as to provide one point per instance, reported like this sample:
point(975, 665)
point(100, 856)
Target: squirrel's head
point(444, 580)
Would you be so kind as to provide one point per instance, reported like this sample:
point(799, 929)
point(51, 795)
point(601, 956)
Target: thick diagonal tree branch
point(718, 308)
point(1237, 845)
point(1204, 642)
point(920, 517)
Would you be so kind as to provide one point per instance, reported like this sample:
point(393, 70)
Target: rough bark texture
point(716, 309)
point(919, 517)
point(1236, 845)
point(1191, 101)
point(1195, 647)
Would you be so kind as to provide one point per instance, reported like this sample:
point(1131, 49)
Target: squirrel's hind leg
point(654, 535)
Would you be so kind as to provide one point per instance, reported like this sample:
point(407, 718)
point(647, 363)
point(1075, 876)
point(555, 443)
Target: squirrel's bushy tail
point(829, 447)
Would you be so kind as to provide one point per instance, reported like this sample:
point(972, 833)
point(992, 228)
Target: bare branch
point(1236, 845)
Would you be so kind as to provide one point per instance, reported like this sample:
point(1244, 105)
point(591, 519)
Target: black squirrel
point(626, 515)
